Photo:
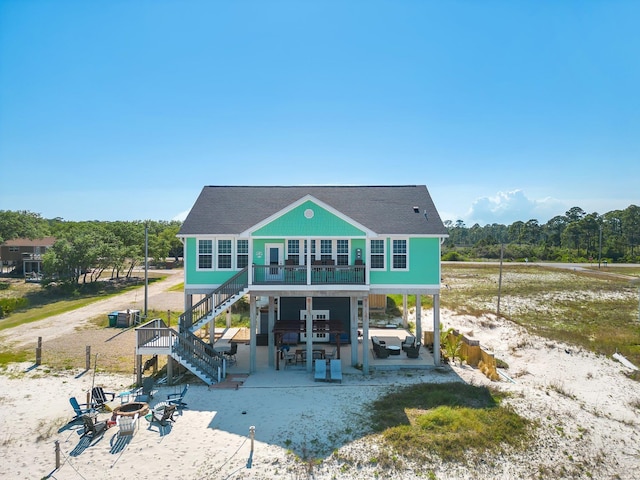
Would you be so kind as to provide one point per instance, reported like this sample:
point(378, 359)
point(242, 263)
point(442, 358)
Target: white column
point(309, 329)
point(228, 318)
point(436, 329)
point(271, 323)
point(405, 313)
point(252, 333)
point(419, 318)
point(309, 261)
point(353, 329)
point(365, 335)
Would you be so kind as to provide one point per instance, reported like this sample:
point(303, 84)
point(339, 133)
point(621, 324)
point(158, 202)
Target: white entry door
point(274, 256)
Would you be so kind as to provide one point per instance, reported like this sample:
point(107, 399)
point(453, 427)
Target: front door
point(274, 255)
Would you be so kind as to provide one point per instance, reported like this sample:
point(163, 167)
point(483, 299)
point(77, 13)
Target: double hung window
point(293, 251)
point(224, 254)
point(377, 254)
point(242, 253)
point(399, 255)
point(205, 253)
point(326, 250)
point(342, 252)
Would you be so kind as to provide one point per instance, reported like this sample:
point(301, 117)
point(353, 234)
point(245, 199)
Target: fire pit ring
point(130, 409)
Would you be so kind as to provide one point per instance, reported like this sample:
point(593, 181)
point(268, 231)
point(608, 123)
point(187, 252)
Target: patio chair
point(409, 341)
point(177, 399)
point(99, 396)
point(162, 414)
point(414, 351)
point(126, 425)
point(231, 354)
point(336, 371)
point(81, 409)
point(92, 427)
point(332, 354)
point(321, 371)
point(145, 393)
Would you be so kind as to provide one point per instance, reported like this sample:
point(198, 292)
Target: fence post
point(57, 454)
point(87, 361)
point(39, 351)
point(169, 318)
point(252, 434)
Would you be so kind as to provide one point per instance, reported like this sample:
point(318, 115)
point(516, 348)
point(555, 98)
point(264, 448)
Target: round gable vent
point(308, 213)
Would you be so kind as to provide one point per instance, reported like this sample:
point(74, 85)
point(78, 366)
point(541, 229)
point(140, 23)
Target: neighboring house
point(24, 256)
point(313, 254)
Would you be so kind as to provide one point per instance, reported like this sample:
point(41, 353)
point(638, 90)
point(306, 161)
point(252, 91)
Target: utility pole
point(500, 279)
point(146, 269)
point(600, 248)
point(636, 282)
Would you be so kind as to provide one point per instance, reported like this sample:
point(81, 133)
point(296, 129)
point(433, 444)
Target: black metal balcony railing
point(300, 275)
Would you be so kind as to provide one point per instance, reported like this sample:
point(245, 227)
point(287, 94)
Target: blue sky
point(124, 110)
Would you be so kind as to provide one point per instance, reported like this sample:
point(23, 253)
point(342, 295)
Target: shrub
point(9, 305)
point(452, 257)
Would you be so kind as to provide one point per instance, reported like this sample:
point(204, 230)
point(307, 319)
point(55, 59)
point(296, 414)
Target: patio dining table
point(301, 354)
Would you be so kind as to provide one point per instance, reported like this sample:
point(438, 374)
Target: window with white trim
point(293, 251)
point(399, 255)
point(224, 254)
point(326, 249)
point(242, 253)
point(205, 253)
point(313, 251)
point(342, 252)
point(376, 248)
point(14, 249)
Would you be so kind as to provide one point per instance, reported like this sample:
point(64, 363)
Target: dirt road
point(159, 298)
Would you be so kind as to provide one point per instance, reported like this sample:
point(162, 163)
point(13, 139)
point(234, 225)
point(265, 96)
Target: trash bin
point(113, 319)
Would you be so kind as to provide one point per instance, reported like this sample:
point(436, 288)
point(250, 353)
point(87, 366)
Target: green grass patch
point(452, 420)
point(44, 303)
point(582, 308)
point(177, 288)
point(11, 356)
point(238, 320)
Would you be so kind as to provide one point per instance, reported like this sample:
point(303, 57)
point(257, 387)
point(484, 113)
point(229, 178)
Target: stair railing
point(212, 301)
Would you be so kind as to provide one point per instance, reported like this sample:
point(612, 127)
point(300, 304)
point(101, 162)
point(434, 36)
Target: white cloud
point(512, 206)
point(181, 216)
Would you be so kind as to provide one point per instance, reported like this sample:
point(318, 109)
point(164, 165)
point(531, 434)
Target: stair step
point(232, 382)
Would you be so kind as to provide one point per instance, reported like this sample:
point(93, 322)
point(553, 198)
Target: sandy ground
point(587, 413)
point(158, 298)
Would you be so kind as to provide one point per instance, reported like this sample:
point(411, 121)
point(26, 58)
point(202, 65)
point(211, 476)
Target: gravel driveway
point(66, 336)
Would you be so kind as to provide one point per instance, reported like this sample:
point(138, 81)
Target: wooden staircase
point(189, 350)
point(215, 303)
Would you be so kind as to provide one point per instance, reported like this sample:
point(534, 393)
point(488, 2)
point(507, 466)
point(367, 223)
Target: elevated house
point(312, 255)
point(24, 255)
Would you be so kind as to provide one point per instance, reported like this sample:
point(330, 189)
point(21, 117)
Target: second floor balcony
point(314, 274)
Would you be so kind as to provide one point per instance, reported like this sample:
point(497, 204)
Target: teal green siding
point(203, 277)
point(424, 262)
point(424, 265)
point(360, 243)
point(295, 224)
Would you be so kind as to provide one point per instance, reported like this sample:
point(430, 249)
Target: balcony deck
point(308, 275)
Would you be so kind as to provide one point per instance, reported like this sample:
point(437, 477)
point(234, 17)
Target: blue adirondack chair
point(177, 399)
point(81, 409)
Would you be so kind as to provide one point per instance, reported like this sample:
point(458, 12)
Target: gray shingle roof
point(385, 210)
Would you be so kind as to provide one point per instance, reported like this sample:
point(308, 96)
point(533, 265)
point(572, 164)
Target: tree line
point(83, 251)
point(576, 236)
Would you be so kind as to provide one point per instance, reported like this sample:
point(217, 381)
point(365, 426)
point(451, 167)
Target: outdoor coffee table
point(393, 350)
